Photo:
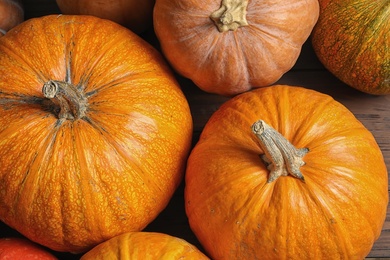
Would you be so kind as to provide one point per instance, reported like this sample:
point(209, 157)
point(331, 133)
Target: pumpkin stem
point(71, 102)
point(281, 157)
point(231, 15)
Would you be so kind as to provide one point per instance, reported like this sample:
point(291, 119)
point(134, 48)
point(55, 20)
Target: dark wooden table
point(372, 111)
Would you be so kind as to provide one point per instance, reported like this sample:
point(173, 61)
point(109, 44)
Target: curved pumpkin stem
point(71, 102)
point(281, 157)
point(231, 15)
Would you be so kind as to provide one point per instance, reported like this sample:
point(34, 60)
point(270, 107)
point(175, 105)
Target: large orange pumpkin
point(286, 173)
point(133, 14)
point(230, 46)
point(94, 131)
point(144, 245)
point(352, 40)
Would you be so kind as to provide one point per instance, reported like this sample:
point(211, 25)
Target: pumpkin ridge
point(37, 163)
point(211, 50)
point(121, 151)
point(94, 61)
point(242, 58)
point(118, 81)
point(328, 216)
point(13, 53)
point(315, 111)
point(348, 246)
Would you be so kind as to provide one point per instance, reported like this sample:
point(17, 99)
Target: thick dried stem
point(71, 102)
point(281, 157)
point(231, 15)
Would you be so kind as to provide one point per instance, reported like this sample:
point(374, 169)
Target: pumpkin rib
point(96, 60)
point(114, 143)
point(340, 227)
point(242, 58)
point(22, 62)
point(364, 220)
point(37, 163)
point(328, 215)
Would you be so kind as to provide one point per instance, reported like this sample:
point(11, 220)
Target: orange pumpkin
point(230, 46)
point(11, 14)
point(133, 14)
point(13, 248)
point(94, 131)
point(144, 245)
point(352, 40)
point(286, 173)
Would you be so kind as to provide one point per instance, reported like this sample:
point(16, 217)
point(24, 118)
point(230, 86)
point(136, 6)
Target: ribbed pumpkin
point(231, 46)
point(352, 40)
point(94, 131)
point(144, 245)
point(286, 173)
point(133, 14)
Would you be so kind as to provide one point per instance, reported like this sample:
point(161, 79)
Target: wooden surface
point(372, 111)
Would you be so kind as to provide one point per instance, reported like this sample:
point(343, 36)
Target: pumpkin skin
point(352, 40)
point(337, 212)
point(21, 249)
point(11, 14)
point(144, 245)
point(133, 14)
point(71, 183)
point(235, 60)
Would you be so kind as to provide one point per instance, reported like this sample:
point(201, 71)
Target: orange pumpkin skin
point(20, 249)
point(144, 245)
point(336, 213)
point(11, 14)
point(352, 40)
point(133, 14)
point(70, 184)
point(233, 61)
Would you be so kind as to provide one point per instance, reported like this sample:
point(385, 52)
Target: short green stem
point(231, 15)
point(281, 157)
point(71, 102)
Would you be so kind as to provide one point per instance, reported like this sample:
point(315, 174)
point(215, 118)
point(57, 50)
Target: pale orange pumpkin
point(133, 14)
point(231, 46)
point(286, 173)
point(11, 14)
point(144, 245)
point(94, 131)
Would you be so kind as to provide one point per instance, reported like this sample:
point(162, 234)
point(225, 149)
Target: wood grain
point(372, 111)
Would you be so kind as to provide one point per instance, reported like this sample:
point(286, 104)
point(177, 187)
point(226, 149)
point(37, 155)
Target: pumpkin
point(286, 172)
point(94, 131)
point(144, 245)
point(352, 40)
point(133, 14)
point(21, 249)
point(231, 46)
point(11, 14)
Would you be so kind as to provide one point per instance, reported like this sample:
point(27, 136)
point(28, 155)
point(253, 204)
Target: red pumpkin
point(133, 14)
point(144, 245)
point(94, 131)
point(11, 14)
point(286, 173)
point(22, 249)
point(229, 47)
